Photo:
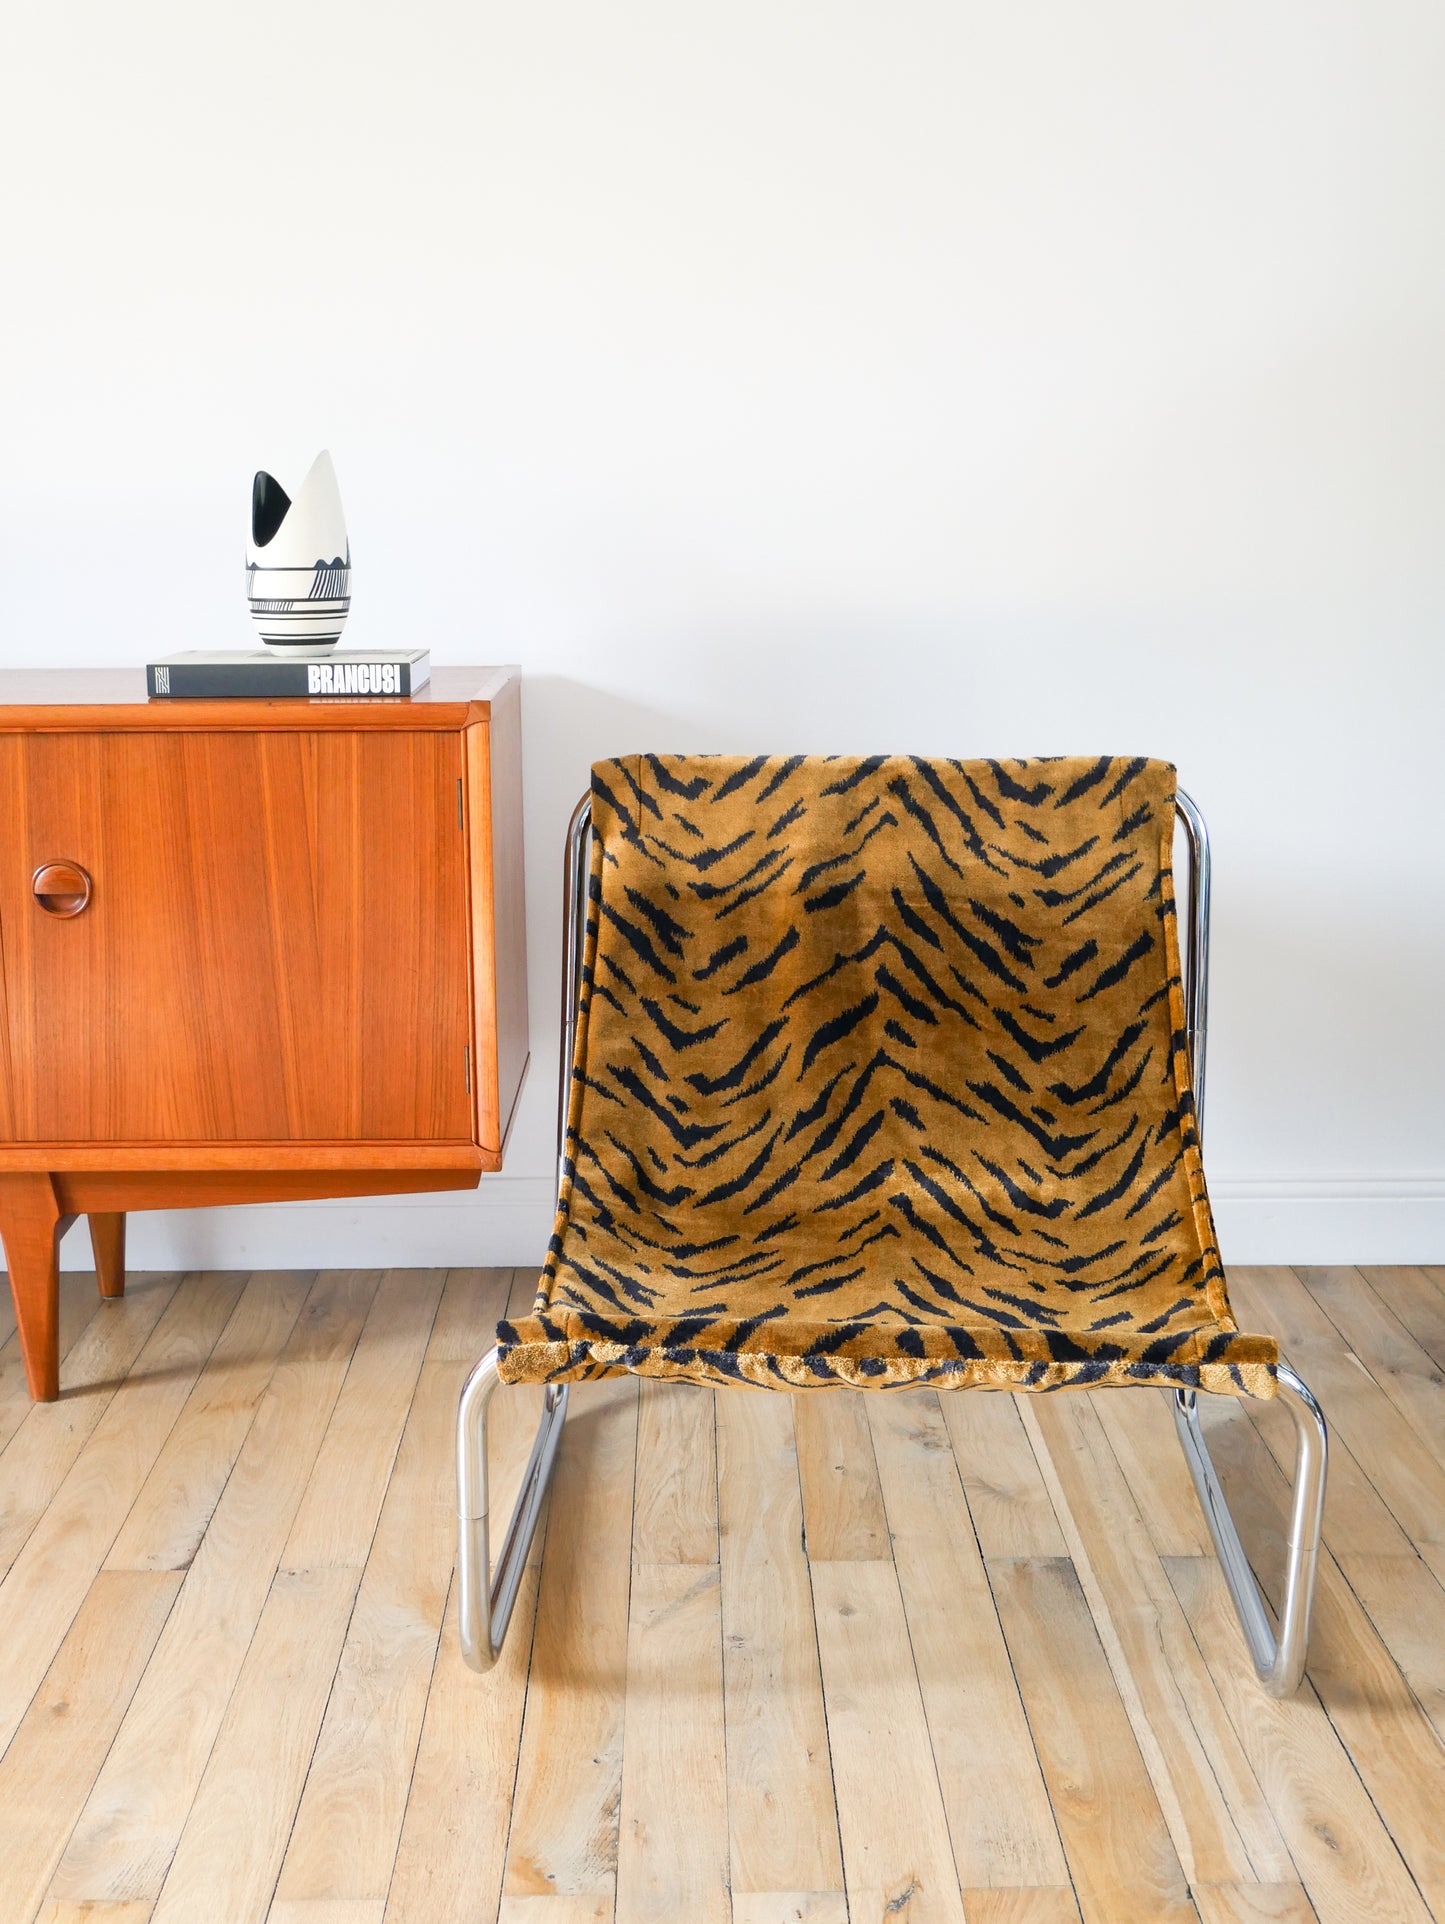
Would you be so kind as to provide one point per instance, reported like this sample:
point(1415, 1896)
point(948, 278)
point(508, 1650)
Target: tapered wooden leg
point(31, 1225)
point(107, 1239)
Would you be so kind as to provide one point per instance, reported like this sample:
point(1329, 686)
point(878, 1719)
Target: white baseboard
point(1330, 1219)
point(1262, 1219)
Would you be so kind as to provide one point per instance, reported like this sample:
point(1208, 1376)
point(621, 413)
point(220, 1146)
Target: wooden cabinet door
point(275, 948)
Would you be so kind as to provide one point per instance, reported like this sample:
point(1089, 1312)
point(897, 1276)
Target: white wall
point(784, 374)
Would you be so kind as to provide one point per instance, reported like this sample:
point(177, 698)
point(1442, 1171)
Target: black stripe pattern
point(881, 1080)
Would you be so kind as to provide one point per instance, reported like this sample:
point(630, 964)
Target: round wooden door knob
point(61, 888)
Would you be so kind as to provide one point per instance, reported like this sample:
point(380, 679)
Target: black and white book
point(254, 674)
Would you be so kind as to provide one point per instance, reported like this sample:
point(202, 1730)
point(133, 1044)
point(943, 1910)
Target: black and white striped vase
point(298, 563)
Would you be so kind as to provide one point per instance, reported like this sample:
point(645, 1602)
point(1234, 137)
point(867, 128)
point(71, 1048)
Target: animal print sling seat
point(881, 1080)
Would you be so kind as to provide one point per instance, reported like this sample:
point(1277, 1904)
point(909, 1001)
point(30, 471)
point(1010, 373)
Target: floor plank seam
point(1184, 1703)
point(107, 1396)
point(360, 1575)
point(722, 1654)
point(317, 1278)
point(1008, 1651)
point(441, 1626)
point(41, 1515)
point(817, 1647)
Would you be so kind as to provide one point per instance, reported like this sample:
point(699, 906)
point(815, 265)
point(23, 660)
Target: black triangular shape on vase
point(269, 502)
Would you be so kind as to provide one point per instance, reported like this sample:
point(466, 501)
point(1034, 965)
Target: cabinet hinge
point(467, 1064)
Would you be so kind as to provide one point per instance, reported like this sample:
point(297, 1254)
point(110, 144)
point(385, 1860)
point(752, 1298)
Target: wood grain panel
point(1038, 1904)
point(1390, 1741)
point(784, 1907)
point(1219, 1822)
point(39, 1456)
point(993, 1792)
point(784, 1833)
point(1396, 1459)
point(1345, 1857)
point(843, 1515)
point(226, 1863)
point(78, 1305)
point(132, 1821)
point(454, 1841)
point(1007, 1500)
point(178, 1498)
point(275, 949)
point(1253, 1904)
point(52, 1574)
point(896, 1856)
point(672, 1855)
point(343, 1843)
point(87, 1688)
point(674, 1512)
point(498, 919)
point(563, 1843)
point(1124, 1865)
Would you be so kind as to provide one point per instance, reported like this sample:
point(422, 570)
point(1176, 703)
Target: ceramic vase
point(298, 563)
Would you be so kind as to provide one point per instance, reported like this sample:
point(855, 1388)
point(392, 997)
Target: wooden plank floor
point(832, 1659)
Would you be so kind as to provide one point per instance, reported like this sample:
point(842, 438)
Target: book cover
point(253, 674)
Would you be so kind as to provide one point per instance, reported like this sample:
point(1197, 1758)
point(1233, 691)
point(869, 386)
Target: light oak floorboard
point(573, 1909)
point(1123, 1862)
point(1406, 1604)
point(231, 1849)
point(1346, 1859)
point(169, 1517)
point(344, 1841)
point(789, 1907)
point(79, 1302)
point(1007, 1500)
point(782, 1825)
point(674, 1518)
point(842, 1504)
point(672, 1856)
point(897, 1858)
point(47, 1771)
point(691, 1720)
point(569, 1778)
point(326, 1910)
point(1390, 1741)
point(1389, 1449)
point(225, 1865)
point(454, 1839)
point(40, 1454)
point(49, 1579)
point(337, 1518)
point(1140, 1427)
point(1220, 1824)
point(1418, 1303)
point(450, 1862)
point(1252, 1904)
point(1044, 1905)
point(999, 1820)
point(54, 1911)
point(1403, 1368)
point(132, 1822)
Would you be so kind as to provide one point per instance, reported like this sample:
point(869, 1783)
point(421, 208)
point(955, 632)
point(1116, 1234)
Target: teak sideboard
point(249, 951)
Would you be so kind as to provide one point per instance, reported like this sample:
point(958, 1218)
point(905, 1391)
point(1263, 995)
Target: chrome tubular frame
point(485, 1599)
point(1279, 1661)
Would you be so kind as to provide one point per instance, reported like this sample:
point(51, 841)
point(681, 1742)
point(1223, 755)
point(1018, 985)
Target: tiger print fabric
point(881, 1080)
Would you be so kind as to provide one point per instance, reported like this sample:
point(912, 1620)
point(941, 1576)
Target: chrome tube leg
point(485, 1599)
point(1280, 1661)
